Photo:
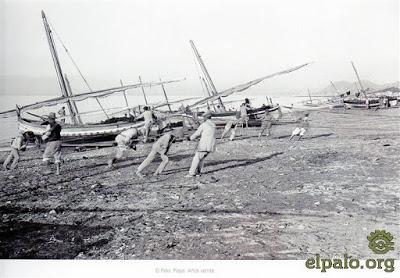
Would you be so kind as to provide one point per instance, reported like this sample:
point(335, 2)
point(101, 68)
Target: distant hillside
point(344, 86)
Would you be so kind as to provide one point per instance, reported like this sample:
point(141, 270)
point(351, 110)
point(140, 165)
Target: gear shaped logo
point(380, 242)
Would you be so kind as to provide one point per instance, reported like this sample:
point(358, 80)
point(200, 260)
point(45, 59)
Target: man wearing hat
point(206, 132)
point(302, 128)
point(161, 146)
point(17, 144)
point(52, 137)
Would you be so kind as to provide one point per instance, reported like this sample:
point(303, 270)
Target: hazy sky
point(239, 40)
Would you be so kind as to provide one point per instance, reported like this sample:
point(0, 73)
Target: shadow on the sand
point(239, 163)
point(321, 135)
point(306, 137)
point(244, 137)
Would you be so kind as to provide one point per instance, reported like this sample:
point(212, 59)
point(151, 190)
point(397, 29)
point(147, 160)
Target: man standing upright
point(61, 113)
point(206, 132)
point(244, 118)
point(148, 116)
point(266, 123)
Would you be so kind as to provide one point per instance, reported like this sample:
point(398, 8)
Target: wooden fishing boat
point(361, 103)
point(366, 99)
point(78, 129)
point(71, 131)
point(87, 131)
point(222, 117)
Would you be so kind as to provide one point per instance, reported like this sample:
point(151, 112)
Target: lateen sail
point(80, 97)
point(244, 86)
point(8, 113)
point(156, 105)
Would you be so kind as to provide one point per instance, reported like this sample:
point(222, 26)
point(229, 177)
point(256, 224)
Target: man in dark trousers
point(52, 137)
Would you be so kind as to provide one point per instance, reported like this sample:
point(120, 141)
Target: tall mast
point(333, 85)
point(57, 64)
point(206, 74)
point(166, 97)
point(206, 86)
point(359, 80)
point(144, 94)
point(126, 100)
point(208, 92)
point(56, 61)
point(75, 117)
point(309, 95)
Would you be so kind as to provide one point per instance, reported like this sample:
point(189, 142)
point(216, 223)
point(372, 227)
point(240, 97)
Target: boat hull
point(220, 119)
point(79, 131)
point(361, 103)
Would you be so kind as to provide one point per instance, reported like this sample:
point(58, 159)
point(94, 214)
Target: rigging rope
point(76, 66)
point(69, 55)
point(200, 77)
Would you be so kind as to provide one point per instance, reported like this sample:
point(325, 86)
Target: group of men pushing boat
point(127, 139)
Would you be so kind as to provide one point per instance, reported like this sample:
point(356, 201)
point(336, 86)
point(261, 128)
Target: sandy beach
point(258, 199)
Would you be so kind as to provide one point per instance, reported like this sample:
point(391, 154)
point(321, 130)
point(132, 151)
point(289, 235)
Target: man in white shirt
point(17, 144)
point(244, 118)
point(61, 113)
point(206, 132)
point(124, 141)
point(148, 116)
point(161, 146)
point(301, 129)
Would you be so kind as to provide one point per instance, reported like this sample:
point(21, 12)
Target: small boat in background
point(366, 99)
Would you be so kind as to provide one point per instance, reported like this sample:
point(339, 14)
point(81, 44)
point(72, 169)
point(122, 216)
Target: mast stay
point(206, 74)
point(61, 80)
point(57, 62)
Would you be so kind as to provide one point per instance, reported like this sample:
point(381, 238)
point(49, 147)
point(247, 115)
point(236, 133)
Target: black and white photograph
point(203, 131)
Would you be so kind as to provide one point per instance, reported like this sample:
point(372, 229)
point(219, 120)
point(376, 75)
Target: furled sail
point(80, 97)
point(8, 113)
point(244, 86)
point(155, 105)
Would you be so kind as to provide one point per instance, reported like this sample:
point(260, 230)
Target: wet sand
point(258, 199)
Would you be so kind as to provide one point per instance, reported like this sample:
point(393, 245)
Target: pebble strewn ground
point(258, 199)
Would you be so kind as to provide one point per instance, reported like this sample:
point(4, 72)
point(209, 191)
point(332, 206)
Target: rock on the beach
point(52, 212)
